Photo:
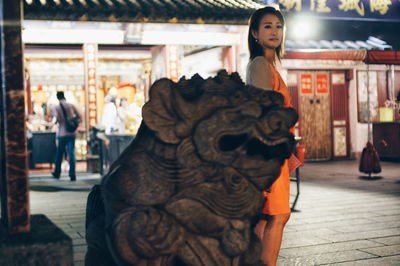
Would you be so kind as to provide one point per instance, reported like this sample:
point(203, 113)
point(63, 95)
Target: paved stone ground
point(342, 220)
point(64, 202)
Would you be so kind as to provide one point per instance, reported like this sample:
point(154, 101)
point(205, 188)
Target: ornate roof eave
point(232, 12)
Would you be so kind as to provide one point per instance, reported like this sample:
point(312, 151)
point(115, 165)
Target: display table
point(111, 152)
point(386, 138)
point(43, 145)
point(118, 143)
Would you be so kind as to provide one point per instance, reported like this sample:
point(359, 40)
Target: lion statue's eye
point(237, 97)
point(265, 97)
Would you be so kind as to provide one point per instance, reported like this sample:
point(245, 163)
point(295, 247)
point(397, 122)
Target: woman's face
point(270, 32)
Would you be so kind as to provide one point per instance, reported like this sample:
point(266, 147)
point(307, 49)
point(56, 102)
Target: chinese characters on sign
point(356, 5)
point(388, 9)
point(380, 5)
point(319, 6)
point(173, 62)
point(290, 4)
point(322, 83)
point(90, 51)
point(306, 83)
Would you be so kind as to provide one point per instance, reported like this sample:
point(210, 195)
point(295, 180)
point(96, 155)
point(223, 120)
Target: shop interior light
point(190, 38)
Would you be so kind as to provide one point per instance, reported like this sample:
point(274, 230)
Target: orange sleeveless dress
point(278, 196)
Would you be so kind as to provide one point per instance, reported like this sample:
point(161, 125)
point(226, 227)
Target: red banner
point(322, 83)
point(306, 83)
point(90, 51)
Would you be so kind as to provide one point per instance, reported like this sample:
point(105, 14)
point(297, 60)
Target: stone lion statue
point(188, 188)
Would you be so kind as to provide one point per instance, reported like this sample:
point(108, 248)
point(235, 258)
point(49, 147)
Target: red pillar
point(14, 193)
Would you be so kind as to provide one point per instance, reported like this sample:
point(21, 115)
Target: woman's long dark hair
point(254, 48)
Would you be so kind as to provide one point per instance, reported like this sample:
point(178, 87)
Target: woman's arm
point(259, 74)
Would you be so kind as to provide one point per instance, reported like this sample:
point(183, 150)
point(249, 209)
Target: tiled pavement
point(342, 220)
point(64, 202)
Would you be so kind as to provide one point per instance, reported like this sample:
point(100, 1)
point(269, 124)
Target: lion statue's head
point(220, 122)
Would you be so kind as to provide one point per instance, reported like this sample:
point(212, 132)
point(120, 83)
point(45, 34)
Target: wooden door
point(315, 117)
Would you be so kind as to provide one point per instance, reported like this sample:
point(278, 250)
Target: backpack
point(71, 123)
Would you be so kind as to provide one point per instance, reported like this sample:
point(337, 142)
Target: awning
point(371, 44)
point(356, 55)
point(369, 57)
point(383, 57)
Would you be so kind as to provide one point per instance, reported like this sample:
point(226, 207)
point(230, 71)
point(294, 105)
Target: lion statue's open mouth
point(255, 147)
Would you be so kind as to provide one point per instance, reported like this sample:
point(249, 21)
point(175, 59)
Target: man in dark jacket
point(65, 138)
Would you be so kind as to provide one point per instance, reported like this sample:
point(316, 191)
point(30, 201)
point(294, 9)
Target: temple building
point(138, 42)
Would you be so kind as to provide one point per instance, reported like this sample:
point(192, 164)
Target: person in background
point(266, 46)
point(122, 112)
point(109, 120)
point(65, 139)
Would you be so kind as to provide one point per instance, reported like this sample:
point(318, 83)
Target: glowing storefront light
point(65, 32)
point(34, 35)
point(303, 29)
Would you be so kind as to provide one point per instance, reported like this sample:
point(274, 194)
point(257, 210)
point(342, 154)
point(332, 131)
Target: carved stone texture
point(15, 180)
point(188, 189)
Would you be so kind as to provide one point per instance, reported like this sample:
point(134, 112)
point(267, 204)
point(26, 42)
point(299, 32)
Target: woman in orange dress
point(265, 40)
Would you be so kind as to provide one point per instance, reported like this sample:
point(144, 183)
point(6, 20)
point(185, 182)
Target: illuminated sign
point(362, 9)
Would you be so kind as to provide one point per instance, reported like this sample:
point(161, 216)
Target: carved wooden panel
point(340, 114)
